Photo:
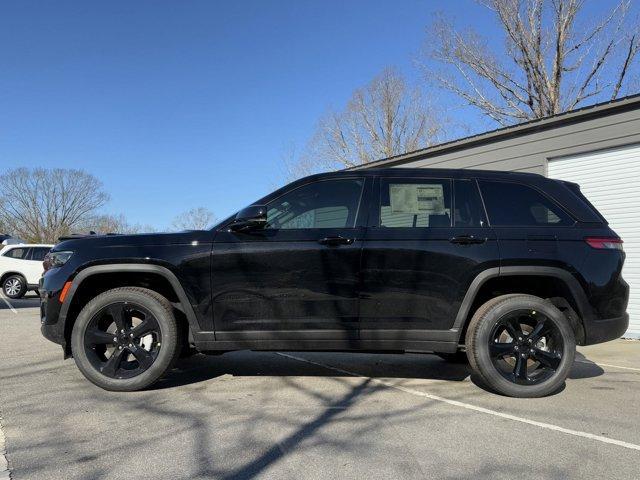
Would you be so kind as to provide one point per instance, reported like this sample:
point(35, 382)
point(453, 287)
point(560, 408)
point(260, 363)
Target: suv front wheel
point(521, 345)
point(125, 339)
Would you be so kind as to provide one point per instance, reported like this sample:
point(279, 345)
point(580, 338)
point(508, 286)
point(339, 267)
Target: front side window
point(324, 204)
point(415, 203)
point(514, 204)
point(17, 253)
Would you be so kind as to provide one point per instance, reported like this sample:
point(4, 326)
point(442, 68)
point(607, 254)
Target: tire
point(457, 357)
point(520, 346)
point(96, 360)
point(14, 286)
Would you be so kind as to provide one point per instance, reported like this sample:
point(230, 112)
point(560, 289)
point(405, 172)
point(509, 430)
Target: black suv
point(514, 268)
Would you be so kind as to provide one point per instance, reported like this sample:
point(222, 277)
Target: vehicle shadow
point(200, 368)
point(30, 300)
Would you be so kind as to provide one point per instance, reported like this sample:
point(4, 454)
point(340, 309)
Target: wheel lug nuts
point(122, 331)
point(131, 335)
point(115, 339)
point(131, 344)
point(524, 355)
point(120, 347)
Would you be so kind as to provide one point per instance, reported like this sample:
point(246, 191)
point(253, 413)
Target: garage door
point(611, 181)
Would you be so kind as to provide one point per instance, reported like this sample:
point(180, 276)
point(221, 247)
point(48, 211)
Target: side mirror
point(253, 217)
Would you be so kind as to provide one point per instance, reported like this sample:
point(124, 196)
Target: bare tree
point(195, 219)
point(383, 119)
point(553, 60)
point(41, 205)
point(114, 224)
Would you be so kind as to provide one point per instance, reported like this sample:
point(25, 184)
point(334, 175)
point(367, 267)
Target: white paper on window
point(417, 198)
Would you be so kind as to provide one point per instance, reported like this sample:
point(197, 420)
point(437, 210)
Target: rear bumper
point(599, 331)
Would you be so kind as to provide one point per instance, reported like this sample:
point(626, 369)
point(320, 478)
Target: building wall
point(530, 152)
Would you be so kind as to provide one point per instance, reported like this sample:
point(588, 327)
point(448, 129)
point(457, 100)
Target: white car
point(21, 268)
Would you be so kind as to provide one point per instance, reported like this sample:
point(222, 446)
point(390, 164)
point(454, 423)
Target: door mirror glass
point(253, 217)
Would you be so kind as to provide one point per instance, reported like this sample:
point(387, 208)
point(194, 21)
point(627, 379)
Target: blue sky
point(181, 104)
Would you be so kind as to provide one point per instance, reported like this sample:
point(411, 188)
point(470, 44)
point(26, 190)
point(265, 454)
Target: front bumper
point(51, 325)
point(599, 331)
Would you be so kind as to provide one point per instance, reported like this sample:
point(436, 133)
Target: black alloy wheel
point(122, 340)
point(125, 339)
point(520, 345)
point(526, 347)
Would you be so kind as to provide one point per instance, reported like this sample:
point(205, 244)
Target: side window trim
point(485, 222)
point(376, 221)
point(482, 202)
point(535, 189)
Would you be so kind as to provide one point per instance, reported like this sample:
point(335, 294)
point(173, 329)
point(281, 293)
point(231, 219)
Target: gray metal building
point(597, 147)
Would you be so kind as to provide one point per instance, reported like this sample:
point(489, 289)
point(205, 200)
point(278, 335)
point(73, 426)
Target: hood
point(138, 239)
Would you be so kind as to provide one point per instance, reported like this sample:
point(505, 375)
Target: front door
point(298, 278)
point(423, 249)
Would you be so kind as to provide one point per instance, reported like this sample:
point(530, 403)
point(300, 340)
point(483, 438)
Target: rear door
point(427, 240)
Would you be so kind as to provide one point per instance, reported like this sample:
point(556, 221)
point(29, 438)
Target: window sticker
point(417, 198)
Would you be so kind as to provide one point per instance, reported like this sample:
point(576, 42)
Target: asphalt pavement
point(311, 415)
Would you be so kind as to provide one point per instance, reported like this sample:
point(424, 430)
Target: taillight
point(604, 243)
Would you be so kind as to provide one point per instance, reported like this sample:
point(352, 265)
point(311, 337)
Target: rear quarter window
point(515, 204)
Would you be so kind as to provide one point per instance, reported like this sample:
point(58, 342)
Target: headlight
point(55, 259)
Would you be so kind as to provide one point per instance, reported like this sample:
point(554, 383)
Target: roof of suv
point(447, 172)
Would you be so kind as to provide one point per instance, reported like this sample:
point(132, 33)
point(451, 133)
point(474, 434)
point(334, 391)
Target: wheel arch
point(169, 287)
point(569, 295)
point(9, 273)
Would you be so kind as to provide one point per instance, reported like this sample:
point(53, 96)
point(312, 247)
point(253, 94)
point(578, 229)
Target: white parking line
point(6, 300)
point(455, 403)
point(5, 473)
point(609, 365)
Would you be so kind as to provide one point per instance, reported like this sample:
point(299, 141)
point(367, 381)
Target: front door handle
point(467, 240)
point(334, 241)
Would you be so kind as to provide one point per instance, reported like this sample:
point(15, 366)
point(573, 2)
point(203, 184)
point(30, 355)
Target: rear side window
point(415, 203)
point(514, 204)
point(17, 253)
point(39, 253)
point(468, 206)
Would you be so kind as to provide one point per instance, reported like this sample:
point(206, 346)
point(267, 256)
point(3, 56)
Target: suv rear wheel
point(125, 339)
point(521, 345)
point(14, 286)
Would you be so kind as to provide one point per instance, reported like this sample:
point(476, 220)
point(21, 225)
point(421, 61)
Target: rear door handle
point(334, 241)
point(467, 240)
